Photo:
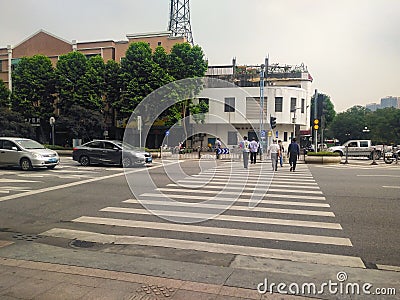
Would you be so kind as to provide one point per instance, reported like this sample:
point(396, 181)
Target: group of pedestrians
point(275, 150)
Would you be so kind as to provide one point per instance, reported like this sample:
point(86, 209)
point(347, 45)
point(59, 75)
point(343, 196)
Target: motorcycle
point(392, 156)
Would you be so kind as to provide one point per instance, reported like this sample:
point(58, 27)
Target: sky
point(350, 47)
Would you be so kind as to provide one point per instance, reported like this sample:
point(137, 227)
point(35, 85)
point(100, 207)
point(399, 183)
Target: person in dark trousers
point(282, 149)
point(254, 145)
point(294, 154)
point(217, 145)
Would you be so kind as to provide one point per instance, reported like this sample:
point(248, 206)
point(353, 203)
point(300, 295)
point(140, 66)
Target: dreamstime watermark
point(340, 286)
point(209, 204)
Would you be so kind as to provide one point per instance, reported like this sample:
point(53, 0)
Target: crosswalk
point(17, 181)
point(227, 210)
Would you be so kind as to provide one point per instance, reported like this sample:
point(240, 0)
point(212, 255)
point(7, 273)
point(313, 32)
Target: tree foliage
point(80, 81)
point(4, 95)
point(328, 110)
point(34, 87)
point(383, 125)
point(82, 123)
point(13, 124)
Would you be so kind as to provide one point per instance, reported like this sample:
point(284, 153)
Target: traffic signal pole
point(315, 116)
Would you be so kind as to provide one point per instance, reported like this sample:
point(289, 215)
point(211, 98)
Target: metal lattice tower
point(179, 20)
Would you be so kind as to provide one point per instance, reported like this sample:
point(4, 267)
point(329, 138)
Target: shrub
point(322, 153)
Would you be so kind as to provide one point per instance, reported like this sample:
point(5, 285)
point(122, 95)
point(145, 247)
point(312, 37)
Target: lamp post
point(52, 121)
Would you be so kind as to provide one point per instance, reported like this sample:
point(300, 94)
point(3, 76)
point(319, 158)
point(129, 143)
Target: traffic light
point(273, 122)
point(316, 124)
point(320, 105)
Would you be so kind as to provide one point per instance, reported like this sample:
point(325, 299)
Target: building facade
point(53, 47)
point(234, 98)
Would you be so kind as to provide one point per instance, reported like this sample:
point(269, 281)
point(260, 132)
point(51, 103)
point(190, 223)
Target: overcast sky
point(350, 47)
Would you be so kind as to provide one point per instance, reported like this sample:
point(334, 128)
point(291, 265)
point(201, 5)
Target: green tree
point(82, 123)
point(328, 110)
point(384, 125)
point(13, 124)
point(34, 90)
point(350, 124)
point(4, 95)
point(140, 76)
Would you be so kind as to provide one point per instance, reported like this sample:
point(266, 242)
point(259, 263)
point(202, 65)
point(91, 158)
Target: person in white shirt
point(274, 150)
point(244, 145)
point(254, 145)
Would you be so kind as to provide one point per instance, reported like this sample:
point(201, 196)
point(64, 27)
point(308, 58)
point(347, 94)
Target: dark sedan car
point(110, 153)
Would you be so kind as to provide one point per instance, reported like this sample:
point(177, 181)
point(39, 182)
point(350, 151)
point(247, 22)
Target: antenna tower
point(179, 20)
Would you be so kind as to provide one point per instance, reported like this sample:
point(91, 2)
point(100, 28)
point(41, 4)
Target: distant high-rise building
point(373, 106)
point(390, 101)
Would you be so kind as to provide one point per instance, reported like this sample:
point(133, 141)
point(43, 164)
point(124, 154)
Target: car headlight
point(37, 155)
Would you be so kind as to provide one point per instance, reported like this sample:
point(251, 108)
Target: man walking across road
point(244, 145)
point(218, 145)
point(254, 145)
point(282, 149)
point(274, 151)
point(294, 153)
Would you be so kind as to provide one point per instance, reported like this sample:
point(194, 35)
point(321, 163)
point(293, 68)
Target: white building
point(234, 104)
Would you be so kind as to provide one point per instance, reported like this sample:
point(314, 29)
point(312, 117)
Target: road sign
point(277, 134)
point(262, 133)
point(167, 133)
point(222, 151)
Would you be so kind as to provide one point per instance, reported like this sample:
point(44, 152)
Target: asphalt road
point(363, 200)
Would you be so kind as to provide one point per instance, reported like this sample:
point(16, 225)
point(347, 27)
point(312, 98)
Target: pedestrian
point(244, 145)
point(274, 151)
point(254, 145)
point(281, 150)
point(294, 154)
point(217, 145)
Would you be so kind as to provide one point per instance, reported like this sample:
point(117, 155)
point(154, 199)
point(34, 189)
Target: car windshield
point(29, 144)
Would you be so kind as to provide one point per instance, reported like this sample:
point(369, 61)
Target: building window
point(253, 107)
point(159, 43)
point(285, 136)
point(229, 104)
point(278, 104)
point(303, 101)
point(293, 104)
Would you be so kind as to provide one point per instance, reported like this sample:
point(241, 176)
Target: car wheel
point(26, 164)
point(84, 160)
point(126, 162)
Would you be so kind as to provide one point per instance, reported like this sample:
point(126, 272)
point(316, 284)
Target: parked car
point(110, 153)
point(26, 153)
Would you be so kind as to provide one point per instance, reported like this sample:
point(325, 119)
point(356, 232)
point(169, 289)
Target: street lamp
point(52, 121)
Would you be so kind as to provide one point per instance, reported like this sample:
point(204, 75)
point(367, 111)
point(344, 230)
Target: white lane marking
point(230, 218)
point(287, 196)
point(256, 192)
point(7, 180)
point(299, 256)
point(377, 175)
point(292, 237)
point(222, 199)
point(71, 184)
point(246, 181)
point(388, 268)
point(15, 188)
point(229, 186)
point(235, 207)
point(391, 186)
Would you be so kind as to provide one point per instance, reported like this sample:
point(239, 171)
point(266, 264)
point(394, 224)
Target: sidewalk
point(21, 279)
